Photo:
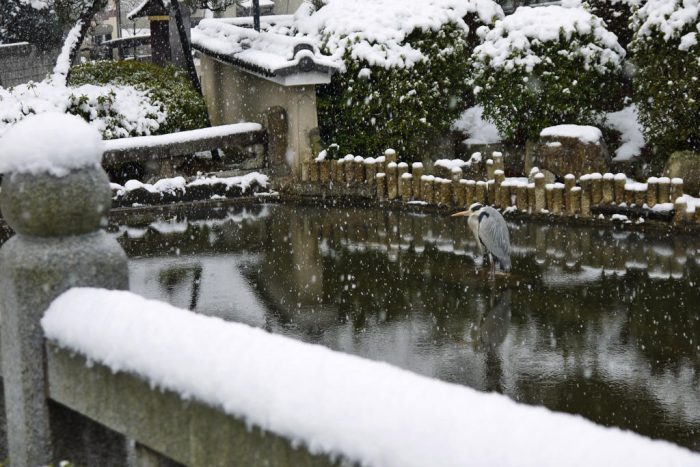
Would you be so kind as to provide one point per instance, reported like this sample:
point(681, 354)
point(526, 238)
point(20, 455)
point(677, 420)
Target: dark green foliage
point(407, 109)
point(617, 15)
point(558, 90)
point(184, 106)
point(20, 22)
point(667, 92)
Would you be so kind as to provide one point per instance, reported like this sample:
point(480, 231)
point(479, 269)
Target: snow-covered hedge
point(667, 90)
point(116, 111)
point(546, 66)
point(402, 82)
point(29, 21)
point(168, 88)
point(120, 99)
point(617, 15)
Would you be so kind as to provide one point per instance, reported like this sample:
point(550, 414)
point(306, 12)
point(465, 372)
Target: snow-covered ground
point(333, 403)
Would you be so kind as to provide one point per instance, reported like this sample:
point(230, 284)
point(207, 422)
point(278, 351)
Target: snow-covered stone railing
point(147, 148)
point(317, 402)
point(590, 195)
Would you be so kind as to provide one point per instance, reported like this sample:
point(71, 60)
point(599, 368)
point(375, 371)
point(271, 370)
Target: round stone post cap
point(54, 184)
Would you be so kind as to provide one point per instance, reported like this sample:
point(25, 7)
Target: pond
point(599, 322)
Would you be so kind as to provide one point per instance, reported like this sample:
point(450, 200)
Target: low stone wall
point(584, 197)
point(23, 62)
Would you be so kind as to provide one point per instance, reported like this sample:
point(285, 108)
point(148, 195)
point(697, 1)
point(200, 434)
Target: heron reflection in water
point(491, 233)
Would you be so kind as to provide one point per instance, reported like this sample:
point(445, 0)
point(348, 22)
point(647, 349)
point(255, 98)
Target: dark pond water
point(597, 322)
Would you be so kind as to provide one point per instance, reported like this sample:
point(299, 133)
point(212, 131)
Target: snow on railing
point(333, 403)
point(189, 136)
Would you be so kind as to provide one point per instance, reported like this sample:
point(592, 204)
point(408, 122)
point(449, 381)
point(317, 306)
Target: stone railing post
point(56, 204)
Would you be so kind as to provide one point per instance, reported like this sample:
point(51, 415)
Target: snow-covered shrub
point(667, 86)
point(402, 81)
point(546, 66)
point(116, 111)
point(32, 21)
point(617, 15)
point(169, 87)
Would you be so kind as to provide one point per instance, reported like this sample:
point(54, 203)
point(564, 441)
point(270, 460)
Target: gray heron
point(491, 233)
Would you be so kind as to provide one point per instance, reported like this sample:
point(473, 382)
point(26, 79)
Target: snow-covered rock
point(584, 133)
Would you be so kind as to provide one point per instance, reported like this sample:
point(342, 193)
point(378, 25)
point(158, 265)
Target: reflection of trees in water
point(177, 276)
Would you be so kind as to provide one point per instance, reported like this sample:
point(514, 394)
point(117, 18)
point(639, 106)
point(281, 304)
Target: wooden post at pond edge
point(521, 196)
point(360, 176)
point(427, 188)
point(349, 169)
point(498, 178)
point(371, 171)
point(664, 190)
point(539, 193)
point(405, 185)
point(324, 171)
point(596, 189)
point(585, 196)
point(480, 192)
point(575, 206)
point(418, 171)
point(389, 157)
point(640, 194)
point(676, 188)
point(557, 199)
point(680, 207)
point(392, 181)
point(620, 180)
point(381, 186)
point(608, 188)
point(340, 172)
point(569, 183)
point(469, 192)
point(652, 191)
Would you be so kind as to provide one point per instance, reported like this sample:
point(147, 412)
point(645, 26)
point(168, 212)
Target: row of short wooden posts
point(398, 181)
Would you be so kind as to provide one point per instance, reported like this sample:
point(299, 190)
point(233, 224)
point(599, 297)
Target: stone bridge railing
point(100, 376)
point(159, 153)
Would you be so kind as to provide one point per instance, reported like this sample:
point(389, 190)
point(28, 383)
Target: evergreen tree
point(34, 21)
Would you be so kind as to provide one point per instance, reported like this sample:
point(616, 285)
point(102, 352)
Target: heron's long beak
point(462, 213)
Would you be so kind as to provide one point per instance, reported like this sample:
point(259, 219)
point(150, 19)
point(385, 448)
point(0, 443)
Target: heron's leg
point(493, 267)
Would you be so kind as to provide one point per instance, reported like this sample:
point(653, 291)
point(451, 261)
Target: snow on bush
point(116, 111)
point(168, 88)
point(545, 66)
point(33, 21)
point(667, 55)
point(626, 122)
point(402, 82)
point(617, 15)
point(471, 121)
